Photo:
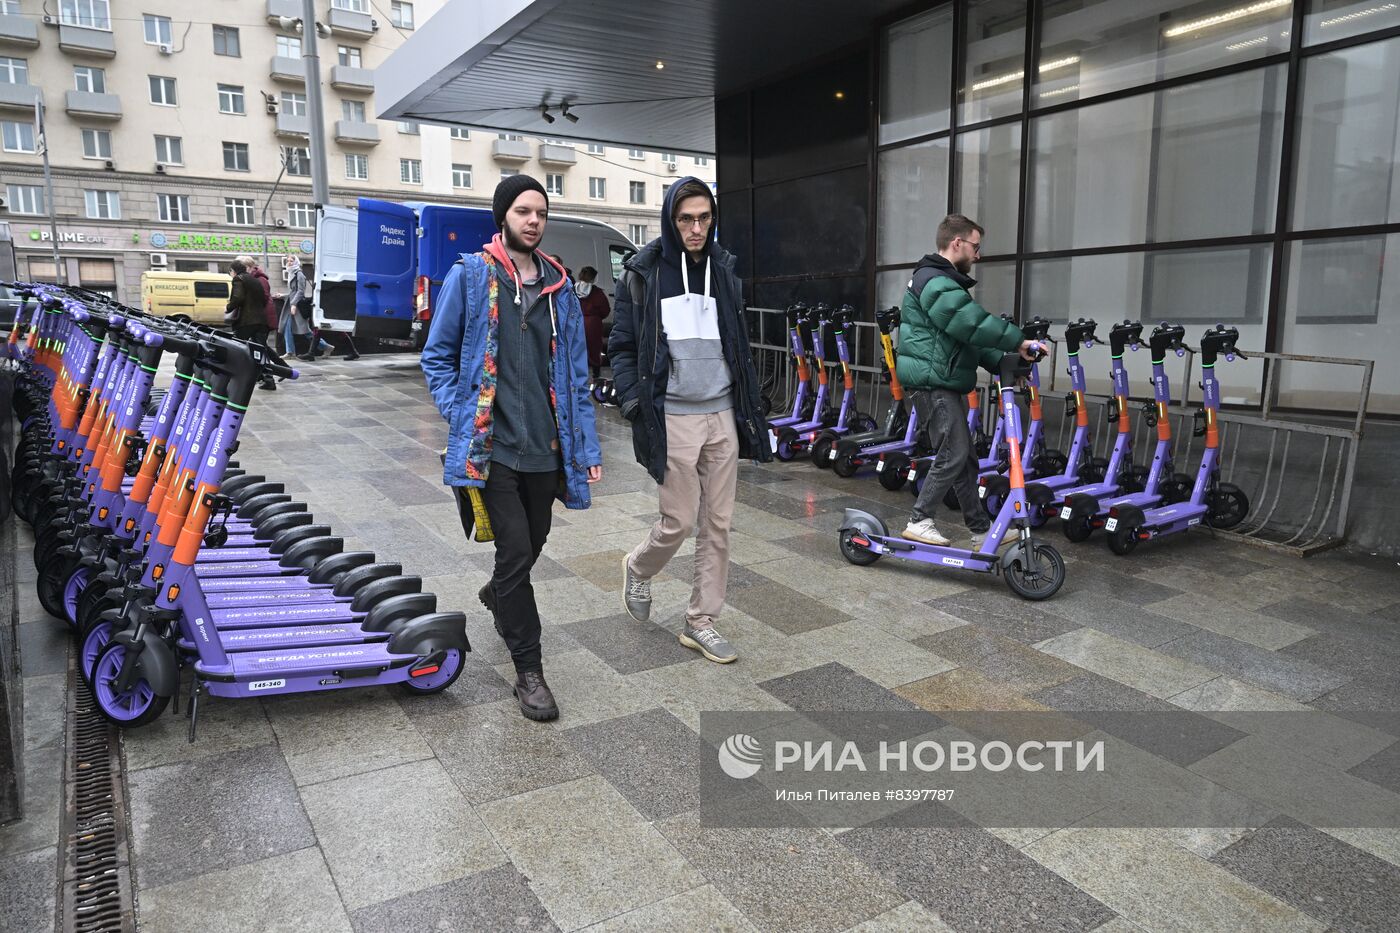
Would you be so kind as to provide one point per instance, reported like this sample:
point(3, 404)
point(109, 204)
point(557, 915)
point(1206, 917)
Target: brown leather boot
point(536, 700)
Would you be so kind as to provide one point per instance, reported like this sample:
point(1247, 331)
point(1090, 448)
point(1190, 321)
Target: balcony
point(86, 41)
point(355, 133)
point(347, 78)
point(510, 150)
point(350, 23)
point(19, 97)
point(276, 9)
point(93, 106)
point(288, 69)
point(555, 154)
point(18, 30)
point(291, 124)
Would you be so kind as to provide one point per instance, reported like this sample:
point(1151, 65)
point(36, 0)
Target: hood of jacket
point(672, 249)
point(936, 266)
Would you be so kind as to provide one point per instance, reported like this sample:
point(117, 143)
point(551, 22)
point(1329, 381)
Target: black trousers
point(520, 506)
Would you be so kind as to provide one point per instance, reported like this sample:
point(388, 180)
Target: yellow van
point(193, 296)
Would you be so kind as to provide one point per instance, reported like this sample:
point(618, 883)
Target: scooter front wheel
point(784, 451)
point(53, 577)
point(449, 669)
point(135, 706)
point(1227, 506)
point(94, 642)
point(1034, 571)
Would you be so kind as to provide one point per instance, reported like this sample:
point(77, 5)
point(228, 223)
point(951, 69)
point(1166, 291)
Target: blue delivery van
point(379, 266)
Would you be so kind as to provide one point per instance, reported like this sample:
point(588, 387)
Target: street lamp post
point(320, 185)
point(43, 140)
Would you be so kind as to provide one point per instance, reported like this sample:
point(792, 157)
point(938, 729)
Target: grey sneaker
point(710, 643)
point(636, 593)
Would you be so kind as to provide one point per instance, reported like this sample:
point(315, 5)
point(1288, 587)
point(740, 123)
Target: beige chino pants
point(702, 475)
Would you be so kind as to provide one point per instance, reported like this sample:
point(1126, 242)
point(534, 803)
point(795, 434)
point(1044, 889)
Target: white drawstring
point(685, 277)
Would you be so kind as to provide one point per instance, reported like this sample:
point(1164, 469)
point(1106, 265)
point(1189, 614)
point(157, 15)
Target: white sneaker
point(977, 538)
point(924, 532)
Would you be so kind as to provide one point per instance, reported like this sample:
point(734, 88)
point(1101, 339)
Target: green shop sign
point(222, 243)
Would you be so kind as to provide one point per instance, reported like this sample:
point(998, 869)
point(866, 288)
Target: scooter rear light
point(1113, 512)
point(857, 539)
point(424, 671)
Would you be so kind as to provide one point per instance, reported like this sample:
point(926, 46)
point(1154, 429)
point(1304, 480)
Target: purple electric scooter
point(799, 320)
point(1033, 570)
point(818, 433)
point(1217, 504)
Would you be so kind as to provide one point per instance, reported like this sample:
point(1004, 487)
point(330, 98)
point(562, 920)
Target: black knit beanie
point(508, 190)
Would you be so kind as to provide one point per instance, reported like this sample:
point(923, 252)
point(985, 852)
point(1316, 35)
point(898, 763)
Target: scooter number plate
point(981, 492)
point(772, 442)
point(831, 454)
point(1111, 525)
point(879, 466)
point(1066, 512)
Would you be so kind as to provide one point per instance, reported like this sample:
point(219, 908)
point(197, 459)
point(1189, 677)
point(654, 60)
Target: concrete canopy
point(493, 64)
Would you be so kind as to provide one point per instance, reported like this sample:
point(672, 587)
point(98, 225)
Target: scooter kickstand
point(195, 687)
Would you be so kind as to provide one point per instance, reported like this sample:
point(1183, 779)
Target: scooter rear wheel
point(784, 451)
point(134, 706)
point(1050, 463)
point(1077, 529)
point(1123, 540)
point(845, 465)
point(445, 676)
point(854, 552)
point(821, 451)
point(1039, 583)
point(895, 471)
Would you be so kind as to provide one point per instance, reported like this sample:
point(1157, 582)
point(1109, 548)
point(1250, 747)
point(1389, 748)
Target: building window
point(226, 41)
point(14, 71)
point(352, 110)
point(162, 91)
point(103, 205)
point(509, 172)
point(97, 144)
point(410, 127)
point(170, 150)
point(157, 29)
point(597, 148)
point(509, 136)
point(357, 166)
point(460, 132)
point(301, 215)
point(289, 46)
point(669, 158)
point(665, 190)
point(554, 184)
point(411, 171)
point(637, 233)
point(637, 192)
point(239, 211)
point(17, 137)
point(9, 7)
point(597, 189)
point(294, 104)
point(94, 14)
point(89, 79)
point(235, 157)
point(298, 160)
point(401, 14)
point(461, 176)
point(354, 6)
point(636, 154)
point(349, 56)
point(26, 199)
point(42, 270)
point(231, 99)
point(173, 208)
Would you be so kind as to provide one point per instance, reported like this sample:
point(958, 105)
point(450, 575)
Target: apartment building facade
point(178, 137)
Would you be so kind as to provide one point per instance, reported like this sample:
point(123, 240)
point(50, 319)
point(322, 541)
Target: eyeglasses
point(976, 247)
point(686, 221)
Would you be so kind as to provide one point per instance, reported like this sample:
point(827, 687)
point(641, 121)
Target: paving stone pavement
point(373, 811)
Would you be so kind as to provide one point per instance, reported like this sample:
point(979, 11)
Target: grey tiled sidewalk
point(367, 811)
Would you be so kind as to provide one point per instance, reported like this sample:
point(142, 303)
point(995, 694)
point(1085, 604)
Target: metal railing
point(1299, 474)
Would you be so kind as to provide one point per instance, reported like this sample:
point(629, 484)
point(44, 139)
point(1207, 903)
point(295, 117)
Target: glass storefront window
point(988, 183)
point(1091, 47)
point(917, 75)
point(1349, 117)
point(1329, 20)
point(1183, 163)
point(1196, 288)
point(1342, 298)
point(913, 200)
point(996, 286)
point(994, 72)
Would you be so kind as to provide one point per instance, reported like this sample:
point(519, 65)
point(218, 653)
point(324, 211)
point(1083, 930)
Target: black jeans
point(944, 416)
point(520, 507)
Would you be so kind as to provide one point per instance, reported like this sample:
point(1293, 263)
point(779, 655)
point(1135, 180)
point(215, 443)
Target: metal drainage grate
point(94, 855)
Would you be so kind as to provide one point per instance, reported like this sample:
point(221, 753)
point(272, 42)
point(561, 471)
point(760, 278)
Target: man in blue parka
point(507, 364)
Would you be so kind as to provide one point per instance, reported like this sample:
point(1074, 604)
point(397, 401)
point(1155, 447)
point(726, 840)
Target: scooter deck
point(330, 660)
point(272, 616)
point(269, 599)
point(293, 636)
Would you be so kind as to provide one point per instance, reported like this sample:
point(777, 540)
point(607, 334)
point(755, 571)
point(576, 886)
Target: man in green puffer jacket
point(944, 336)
